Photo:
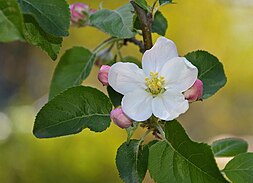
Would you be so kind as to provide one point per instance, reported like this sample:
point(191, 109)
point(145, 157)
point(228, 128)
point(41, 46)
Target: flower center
point(155, 84)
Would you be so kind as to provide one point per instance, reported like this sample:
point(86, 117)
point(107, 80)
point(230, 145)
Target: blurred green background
point(222, 27)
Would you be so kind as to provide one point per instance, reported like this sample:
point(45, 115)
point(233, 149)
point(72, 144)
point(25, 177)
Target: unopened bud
point(195, 92)
point(80, 13)
point(103, 74)
point(120, 119)
point(104, 57)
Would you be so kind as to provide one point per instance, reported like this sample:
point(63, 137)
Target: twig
point(145, 23)
point(136, 42)
point(105, 43)
point(118, 50)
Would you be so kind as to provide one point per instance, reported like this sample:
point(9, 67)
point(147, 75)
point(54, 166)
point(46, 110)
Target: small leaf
point(53, 16)
point(240, 168)
point(37, 37)
point(132, 161)
point(130, 130)
point(229, 147)
point(159, 24)
point(11, 21)
point(74, 66)
point(117, 23)
point(180, 160)
point(143, 4)
point(137, 25)
point(114, 96)
point(73, 110)
point(211, 71)
point(132, 60)
point(163, 2)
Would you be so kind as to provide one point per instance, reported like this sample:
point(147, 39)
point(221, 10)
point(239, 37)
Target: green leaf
point(143, 4)
point(73, 110)
point(11, 21)
point(159, 24)
point(229, 147)
point(37, 37)
point(74, 66)
point(211, 71)
point(151, 143)
point(117, 23)
point(132, 161)
point(180, 160)
point(114, 96)
point(132, 60)
point(240, 168)
point(137, 25)
point(163, 2)
point(53, 16)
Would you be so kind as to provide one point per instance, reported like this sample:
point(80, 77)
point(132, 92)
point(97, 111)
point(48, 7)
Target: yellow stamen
point(155, 83)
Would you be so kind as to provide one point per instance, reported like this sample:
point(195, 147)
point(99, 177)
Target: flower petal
point(179, 74)
point(169, 105)
point(126, 77)
point(137, 105)
point(163, 50)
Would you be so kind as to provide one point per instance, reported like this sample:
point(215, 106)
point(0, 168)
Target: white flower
point(157, 88)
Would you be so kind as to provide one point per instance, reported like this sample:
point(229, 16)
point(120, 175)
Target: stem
point(144, 135)
point(139, 143)
point(142, 138)
point(136, 42)
point(145, 23)
point(105, 43)
point(118, 50)
point(160, 129)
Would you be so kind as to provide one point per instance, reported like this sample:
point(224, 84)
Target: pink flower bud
point(103, 74)
point(79, 14)
point(104, 57)
point(120, 119)
point(195, 92)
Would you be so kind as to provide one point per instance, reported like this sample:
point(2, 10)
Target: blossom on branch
point(157, 88)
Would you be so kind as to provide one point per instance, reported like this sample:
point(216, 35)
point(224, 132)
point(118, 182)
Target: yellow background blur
point(222, 27)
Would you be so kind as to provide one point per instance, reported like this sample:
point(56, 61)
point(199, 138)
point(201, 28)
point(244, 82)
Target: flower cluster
point(80, 14)
point(163, 87)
